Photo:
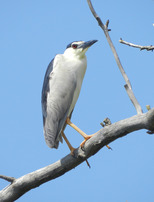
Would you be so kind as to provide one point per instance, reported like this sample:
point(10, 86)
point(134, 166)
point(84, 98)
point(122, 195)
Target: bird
point(61, 88)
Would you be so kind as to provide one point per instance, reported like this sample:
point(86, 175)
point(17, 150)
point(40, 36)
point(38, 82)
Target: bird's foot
point(108, 147)
point(87, 137)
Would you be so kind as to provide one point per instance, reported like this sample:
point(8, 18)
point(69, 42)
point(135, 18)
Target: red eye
point(74, 46)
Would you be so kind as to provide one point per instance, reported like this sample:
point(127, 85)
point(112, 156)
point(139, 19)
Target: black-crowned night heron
point(61, 88)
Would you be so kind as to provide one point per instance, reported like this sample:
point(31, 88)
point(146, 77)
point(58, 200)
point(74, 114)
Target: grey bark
point(106, 135)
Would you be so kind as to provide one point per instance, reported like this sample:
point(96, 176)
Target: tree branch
point(148, 48)
point(133, 99)
point(7, 178)
point(103, 137)
point(106, 135)
point(106, 32)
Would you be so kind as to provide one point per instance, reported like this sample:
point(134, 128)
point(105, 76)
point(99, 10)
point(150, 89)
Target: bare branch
point(103, 137)
point(133, 99)
point(92, 146)
point(106, 30)
point(148, 48)
point(7, 178)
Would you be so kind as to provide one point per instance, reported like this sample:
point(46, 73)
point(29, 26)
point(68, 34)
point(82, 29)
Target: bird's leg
point(68, 143)
point(68, 121)
point(86, 137)
point(70, 146)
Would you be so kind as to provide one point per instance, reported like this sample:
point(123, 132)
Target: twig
point(148, 48)
point(106, 30)
point(106, 122)
point(148, 107)
point(7, 178)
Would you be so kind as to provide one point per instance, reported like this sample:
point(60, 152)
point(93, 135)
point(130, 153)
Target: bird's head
point(78, 48)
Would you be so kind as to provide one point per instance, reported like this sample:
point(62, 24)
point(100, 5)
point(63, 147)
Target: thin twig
point(7, 178)
point(148, 48)
point(106, 30)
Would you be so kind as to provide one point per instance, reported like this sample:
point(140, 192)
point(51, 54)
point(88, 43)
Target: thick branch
point(106, 32)
point(148, 48)
point(103, 137)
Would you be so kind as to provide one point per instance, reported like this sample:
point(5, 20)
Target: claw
point(108, 147)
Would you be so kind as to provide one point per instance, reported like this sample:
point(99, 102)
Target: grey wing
point(56, 101)
point(45, 89)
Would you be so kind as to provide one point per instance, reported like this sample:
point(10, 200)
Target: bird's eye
point(74, 46)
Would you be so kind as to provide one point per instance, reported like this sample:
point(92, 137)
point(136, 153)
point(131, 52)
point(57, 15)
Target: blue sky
point(32, 33)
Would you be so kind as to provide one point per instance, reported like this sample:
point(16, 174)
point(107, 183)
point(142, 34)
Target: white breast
point(79, 69)
point(70, 69)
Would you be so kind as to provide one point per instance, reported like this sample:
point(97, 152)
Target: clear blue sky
point(32, 33)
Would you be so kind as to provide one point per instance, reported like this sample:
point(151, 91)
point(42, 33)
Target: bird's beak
point(87, 44)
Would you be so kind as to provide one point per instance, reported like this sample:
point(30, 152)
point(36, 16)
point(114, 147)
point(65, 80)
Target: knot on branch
point(99, 21)
point(150, 121)
point(106, 122)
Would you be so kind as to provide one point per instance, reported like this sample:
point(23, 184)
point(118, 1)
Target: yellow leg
point(89, 136)
point(68, 121)
point(68, 143)
point(86, 137)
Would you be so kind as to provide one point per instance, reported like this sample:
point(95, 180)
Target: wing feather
point(57, 95)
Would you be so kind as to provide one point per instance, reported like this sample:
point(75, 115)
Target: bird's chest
point(69, 76)
point(77, 73)
point(73, 71)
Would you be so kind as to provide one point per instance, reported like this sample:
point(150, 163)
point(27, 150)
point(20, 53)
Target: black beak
point(87, 44)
